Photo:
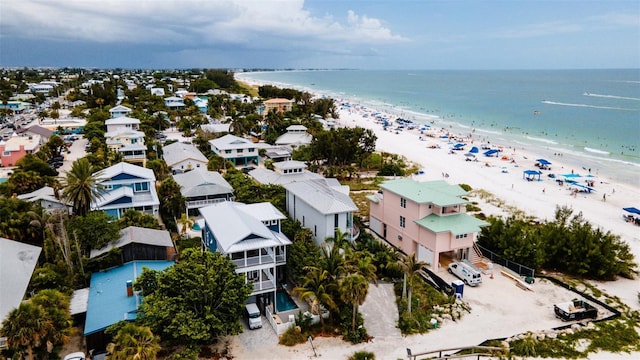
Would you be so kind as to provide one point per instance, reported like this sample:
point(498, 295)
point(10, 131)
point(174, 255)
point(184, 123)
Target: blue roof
point(108, 301)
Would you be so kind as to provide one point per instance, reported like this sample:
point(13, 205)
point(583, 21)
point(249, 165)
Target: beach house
point(124, 136)
point(295, 136)
point(278, 105)
point(118, 111)
point(181, 157)
point(240, 151)
point(16, 147)
point(47, 198)
point(284, 172)
point(126, 186)
point(323, 206)
point(425, 218)
point(174, 103)
point(201, 188)
point(138, 243)
point(250, 235)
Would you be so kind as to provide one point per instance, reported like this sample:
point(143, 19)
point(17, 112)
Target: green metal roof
point(457, 224)
point(439, 193)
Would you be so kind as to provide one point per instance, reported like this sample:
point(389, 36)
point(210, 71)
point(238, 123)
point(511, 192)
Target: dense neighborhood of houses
point(425, 219)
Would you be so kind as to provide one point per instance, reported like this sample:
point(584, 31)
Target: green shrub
point(362, 355)
point(292, 337)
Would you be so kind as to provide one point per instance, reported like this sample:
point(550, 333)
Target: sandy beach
point(504, 180)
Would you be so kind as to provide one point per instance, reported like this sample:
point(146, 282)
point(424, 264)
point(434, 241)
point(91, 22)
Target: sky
point(283, 34)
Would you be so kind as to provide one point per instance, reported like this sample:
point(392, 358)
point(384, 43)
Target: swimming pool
point(196, 226)
point(284, 302)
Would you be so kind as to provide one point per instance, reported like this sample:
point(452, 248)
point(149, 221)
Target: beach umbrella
point(490, 152)
point(543, 162)
point(458, 145)
point(474, 150)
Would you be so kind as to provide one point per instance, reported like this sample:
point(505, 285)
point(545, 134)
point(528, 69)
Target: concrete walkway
point(380, 311)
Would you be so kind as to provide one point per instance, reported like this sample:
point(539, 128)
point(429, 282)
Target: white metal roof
point(17, 262)
point(200, 182)
point(135, 234)
point(322, 197)
point(122, 120)
point(124, 167)
point(179, 151)
point(231, 142)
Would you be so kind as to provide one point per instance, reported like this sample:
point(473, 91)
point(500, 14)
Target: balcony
point(259, 260)
point(263, 286)
point(195, 204)
point(134, 156)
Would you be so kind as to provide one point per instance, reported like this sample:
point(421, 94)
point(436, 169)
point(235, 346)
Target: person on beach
point(604, 197)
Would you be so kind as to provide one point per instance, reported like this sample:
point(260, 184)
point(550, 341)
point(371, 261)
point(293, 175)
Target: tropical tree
point(362, 263)
point(410, 265)
point(353, 291)
point(317, 287)
point(134, 342)
point(94, 230)
point(81, 186)
point(186, 223)
point(25, 327)
point(138, 218)
point(195, 300)
point(56, 306)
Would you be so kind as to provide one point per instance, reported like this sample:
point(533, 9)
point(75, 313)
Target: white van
point(253, 316)
point(466, 273)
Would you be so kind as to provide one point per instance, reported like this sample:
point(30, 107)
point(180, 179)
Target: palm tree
point(81, 187)
point(134, 342)
point(25, 327)
point(332, 261)
point(353, 290)
point(340, 240)
point(362, 263)
point(410, 265)
point(186, 224)
point(317, 287)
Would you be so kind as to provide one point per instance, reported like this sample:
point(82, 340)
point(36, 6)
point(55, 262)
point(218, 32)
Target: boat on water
point(536, 112)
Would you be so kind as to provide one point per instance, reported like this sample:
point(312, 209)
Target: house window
point(227, 151)
point(240, 151)
point(252, 275)
point(461, 236)
point(6, 153)
point(252, 149)
point(403, 202)
point(403, 221)
point(107, 187)
point(141, 187)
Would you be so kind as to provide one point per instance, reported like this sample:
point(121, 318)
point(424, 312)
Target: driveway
point(380, 311)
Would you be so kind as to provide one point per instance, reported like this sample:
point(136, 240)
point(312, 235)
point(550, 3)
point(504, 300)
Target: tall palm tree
point(134, 342)
point(317, 287)
point(362, 263)
point(353, 290)
point(186, 223)
point(410, 265)
point(25, 327)
point(81, 187)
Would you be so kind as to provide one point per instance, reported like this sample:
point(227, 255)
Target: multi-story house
point(16, 147)
point(425, 218)
point(249, 234)
point(295, 136)
point(126, 186)
point(323, 206)
point(118, 111)
point(235, 149)
point(201, 188)
point(278, 105)
point(124, 136)
point(284, 172)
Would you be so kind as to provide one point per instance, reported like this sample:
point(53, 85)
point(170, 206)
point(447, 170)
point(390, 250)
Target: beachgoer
point(543, 190)
point(604, 197)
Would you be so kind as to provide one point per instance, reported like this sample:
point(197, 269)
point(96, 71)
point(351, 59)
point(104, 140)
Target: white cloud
point(188, 22)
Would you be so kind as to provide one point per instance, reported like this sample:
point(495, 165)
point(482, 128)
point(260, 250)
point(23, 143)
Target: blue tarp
point(543, 162)
point(491, 152)
point(532, 172)
point(571, 175)
point(632, 210)
point(474, 150)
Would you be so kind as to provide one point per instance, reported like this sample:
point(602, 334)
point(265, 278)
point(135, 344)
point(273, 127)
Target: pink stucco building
point(425, 218)
point(16, 147)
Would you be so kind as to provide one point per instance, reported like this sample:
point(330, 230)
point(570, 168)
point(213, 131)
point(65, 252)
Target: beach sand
point(489, 318)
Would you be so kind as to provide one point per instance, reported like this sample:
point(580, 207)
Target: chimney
point(129, 288)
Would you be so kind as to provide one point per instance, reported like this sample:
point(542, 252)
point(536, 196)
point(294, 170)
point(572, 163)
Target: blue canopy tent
point(474, 150)
point(543, 162)
point(491, 152)
point(632, 210)
point(458, 146)
point(530, 175)
point(633, 217)
point(583, 188)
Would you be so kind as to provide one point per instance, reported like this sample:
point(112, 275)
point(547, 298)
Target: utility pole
point(313, 347)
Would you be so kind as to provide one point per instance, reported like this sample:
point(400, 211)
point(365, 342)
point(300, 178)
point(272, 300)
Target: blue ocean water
point(592, 117)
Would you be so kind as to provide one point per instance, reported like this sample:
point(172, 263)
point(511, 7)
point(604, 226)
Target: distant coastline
point(593, 152)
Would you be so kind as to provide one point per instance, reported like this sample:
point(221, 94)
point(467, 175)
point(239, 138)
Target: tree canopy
point(195, 300)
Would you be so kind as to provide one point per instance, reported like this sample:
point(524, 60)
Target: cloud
point(538, 30)
point(188, 23)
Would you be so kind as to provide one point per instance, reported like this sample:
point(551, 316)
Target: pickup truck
point(575, 310)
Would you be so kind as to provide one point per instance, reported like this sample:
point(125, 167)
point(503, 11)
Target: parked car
point(466, 273)
point(253, 316)
point(75, 356)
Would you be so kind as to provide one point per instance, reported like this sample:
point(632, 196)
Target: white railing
point(199, 203)
point(263, 285)
point(137, 156)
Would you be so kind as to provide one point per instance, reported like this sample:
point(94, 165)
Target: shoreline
point(534, 198)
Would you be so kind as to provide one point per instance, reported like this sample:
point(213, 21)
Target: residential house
point(157, 91)
point(16, 106)
point(235, 149)
point(250, 235)
point(174, 103)
point(17, 262)
point(278, 105)
point(44, 133)
point(216, 128)
point(323, 206)
point(284, 172)
point(425, 218)
point(295, 136)
point(126, 186)
point(48, 199)
point(16, 147)
point(124, 136)
point(201, 104)
point(181, 157)
point(119, 111)
point(279, 153)
point(138, 243)
point(112, 299)
point(201, 188)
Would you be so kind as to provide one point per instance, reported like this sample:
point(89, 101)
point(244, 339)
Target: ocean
point(591, 117)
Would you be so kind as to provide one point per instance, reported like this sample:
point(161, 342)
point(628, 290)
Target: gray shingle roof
point(321, 196)
point(200, 182)
point(265, 176)
point(178, 151)
point(135, 234)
